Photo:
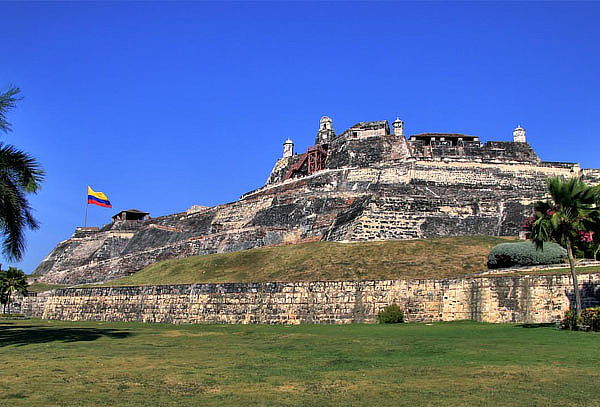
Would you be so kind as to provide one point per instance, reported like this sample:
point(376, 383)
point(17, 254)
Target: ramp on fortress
point(363, 184)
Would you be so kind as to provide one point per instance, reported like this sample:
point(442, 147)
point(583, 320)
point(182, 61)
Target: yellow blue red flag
point(98, 198)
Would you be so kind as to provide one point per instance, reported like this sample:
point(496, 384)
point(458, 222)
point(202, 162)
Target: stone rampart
point(372, 185)
point(489, 299)
point(399, 200)
point(32, 305)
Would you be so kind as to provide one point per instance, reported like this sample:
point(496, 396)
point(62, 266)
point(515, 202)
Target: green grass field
point(51, 363)
point(393, 259)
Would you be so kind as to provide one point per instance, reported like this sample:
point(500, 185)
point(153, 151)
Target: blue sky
point(166, 105)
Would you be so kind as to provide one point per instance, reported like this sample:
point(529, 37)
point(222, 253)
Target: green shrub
point(392, 314)
point(570, 321)
point(590, 318)
point(525, 254)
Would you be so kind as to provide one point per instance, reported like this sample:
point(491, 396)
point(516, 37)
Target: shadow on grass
point(21, 335)
point(539, 325)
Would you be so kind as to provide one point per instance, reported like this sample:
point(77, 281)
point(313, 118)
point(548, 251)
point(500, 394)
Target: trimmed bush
point(570, 321)
point(392, 314)
point(525, 254)
point(588, 321)
point(590, 318)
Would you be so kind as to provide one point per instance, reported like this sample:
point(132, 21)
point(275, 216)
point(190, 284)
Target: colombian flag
point(98, 198)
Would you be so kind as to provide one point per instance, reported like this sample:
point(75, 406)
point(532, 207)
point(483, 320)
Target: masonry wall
point(32, 305)
point(374, 186)
point(393, 200)
point(488, 299)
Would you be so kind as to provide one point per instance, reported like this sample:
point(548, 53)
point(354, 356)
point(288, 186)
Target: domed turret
point(325, 123)
point(325, 133)
point(519, 135)
point(288, 148)
point(398, 126)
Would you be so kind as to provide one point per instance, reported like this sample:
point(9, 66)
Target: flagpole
point(86, 209)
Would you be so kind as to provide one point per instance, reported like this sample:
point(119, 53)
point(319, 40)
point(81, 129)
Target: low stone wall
point(489, 299)
point(32, 305)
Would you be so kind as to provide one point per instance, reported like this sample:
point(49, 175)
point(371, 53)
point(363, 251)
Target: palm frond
point(22, 168)
point(20, 174)
point(15, 216)
point(8, 100)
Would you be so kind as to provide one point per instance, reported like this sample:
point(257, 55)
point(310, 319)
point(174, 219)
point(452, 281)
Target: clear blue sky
point(162, 106)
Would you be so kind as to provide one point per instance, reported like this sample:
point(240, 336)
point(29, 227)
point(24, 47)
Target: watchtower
point(325, 133)
point(398, 126)
point(519, 135)
point(288, 148)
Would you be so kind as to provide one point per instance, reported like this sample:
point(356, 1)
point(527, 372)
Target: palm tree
point(571, 215)
point(20, 174)
point(8, 100)
point(11, 281)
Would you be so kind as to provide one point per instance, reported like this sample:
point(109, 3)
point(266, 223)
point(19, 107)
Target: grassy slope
point(39, 287)
point(423, 258)
point(582, 269)
point(53, 363)
point(546, 272)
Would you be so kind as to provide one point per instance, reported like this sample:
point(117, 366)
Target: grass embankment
point(39, 287)
point(422, 258)
point(564, 270)
point(545, 272)
point(52, 363)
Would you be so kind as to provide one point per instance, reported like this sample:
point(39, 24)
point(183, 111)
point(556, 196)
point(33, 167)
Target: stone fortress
point(370, 182)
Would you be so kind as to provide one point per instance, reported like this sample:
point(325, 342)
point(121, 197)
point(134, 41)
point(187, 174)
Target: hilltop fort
point(370, 182)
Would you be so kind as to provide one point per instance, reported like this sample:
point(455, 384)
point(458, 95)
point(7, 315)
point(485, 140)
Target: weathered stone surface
point(374, 185)
point(489, 299)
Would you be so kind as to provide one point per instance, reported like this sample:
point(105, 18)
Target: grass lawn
point(52, 363)
point(392, 259)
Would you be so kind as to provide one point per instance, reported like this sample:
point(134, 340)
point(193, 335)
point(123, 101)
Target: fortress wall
point(489, 299)
point(393, 199)
point(434, 198)
point(32, 305)
point(109, 269)
point(592, 175)
point(490, 175)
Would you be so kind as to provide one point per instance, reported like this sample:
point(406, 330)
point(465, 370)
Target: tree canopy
point(571, 215)
point(20, 175)
point(12, 281)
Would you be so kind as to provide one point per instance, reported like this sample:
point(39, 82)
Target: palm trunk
point(8, 301)
point(574, 279)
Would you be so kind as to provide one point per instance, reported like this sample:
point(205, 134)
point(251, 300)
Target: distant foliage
point(588, 246)
point(391, 314)
point(570, 321)
point(588, 321)
point(590, 318)
point(12, 281)
point(525, 254)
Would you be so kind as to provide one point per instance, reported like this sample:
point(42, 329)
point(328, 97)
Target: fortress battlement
point(373, 144)
point(370, 182)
